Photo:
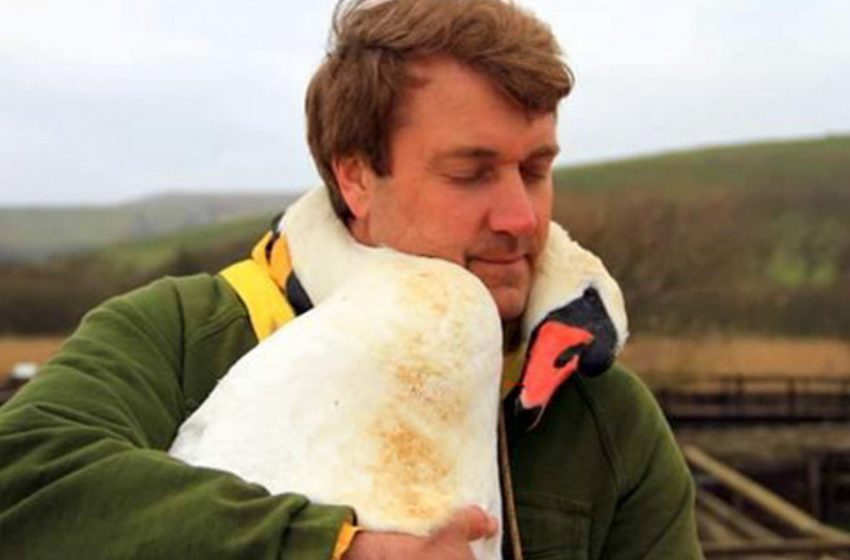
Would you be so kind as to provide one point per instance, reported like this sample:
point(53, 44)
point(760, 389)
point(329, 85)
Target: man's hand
point(450, 542)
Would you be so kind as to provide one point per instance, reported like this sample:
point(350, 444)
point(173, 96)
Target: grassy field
point(816, 164)
point(663, 361)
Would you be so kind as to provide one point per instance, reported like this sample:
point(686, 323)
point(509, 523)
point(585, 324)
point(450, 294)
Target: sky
point(105, 101)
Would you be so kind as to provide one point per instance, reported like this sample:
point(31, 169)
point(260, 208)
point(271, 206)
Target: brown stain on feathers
point(414, 470)
point(426, 288)
point(411, 472)
point(426, 392)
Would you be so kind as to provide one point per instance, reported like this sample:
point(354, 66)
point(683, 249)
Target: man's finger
point(470, 524)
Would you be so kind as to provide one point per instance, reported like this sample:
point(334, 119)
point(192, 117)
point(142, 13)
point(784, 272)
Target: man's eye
point(535, 174)
point(478, 176)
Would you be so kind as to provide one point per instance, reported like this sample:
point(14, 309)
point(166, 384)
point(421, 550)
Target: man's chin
point(508, 283)
point(510, 302)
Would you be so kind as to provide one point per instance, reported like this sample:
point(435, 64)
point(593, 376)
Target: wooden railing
point(741, 398)
point(727, 532)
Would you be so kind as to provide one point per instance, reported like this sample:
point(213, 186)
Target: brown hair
point(352, 101)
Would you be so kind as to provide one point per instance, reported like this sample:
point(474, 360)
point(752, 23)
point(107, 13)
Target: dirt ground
point(26, 349)
point(668, 360)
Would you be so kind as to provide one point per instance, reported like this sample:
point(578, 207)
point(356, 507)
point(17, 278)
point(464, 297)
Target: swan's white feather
point(565, 271)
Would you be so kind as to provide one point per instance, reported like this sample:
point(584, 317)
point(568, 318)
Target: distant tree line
point(707, 263)
point(52, 297)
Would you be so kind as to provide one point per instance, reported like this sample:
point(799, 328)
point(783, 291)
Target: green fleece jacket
point(84, 472)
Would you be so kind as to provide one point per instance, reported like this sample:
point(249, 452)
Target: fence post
point(739, 396)
point(792, 397)
point(814, 467)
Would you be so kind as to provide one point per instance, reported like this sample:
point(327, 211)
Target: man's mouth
point(499, 260)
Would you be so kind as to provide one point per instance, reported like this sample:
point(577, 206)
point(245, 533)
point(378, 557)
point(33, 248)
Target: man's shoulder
point(615, 409)
point(629, 420)
point(198, 287)
point(187, 313)
point(199, 318)
point(617, 392)
point(194, 301)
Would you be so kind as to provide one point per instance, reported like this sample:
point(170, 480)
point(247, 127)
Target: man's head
point(432, 122)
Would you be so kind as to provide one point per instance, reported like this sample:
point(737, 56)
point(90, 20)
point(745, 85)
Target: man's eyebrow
point(547, 151)
point(465, 152)
point(481, 153)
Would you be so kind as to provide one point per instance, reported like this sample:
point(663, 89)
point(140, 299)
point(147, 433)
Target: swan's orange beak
point(553, 358)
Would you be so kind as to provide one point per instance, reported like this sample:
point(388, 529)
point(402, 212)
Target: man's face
point(470, 182)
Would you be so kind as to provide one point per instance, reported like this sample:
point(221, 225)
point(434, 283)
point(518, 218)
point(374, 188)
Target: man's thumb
point(470, 523)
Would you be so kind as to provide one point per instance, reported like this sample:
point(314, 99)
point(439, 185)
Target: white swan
point(385, 395)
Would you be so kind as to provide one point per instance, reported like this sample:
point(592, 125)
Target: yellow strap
point(277, 266)
point(259, 282)
point(343, 541)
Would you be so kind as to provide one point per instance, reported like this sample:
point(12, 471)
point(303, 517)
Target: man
point(432, 123)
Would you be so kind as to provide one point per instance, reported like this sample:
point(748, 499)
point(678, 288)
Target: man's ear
point(356, 184)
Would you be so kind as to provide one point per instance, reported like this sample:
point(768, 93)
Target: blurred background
point(705, 157)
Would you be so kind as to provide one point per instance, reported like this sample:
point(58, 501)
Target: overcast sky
point(111, 100)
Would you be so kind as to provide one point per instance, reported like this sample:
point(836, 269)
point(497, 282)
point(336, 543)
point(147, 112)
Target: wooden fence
point(741, 398)
point(760, 524)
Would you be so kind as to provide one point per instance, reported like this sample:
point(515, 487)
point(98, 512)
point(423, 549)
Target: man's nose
point(512, 210)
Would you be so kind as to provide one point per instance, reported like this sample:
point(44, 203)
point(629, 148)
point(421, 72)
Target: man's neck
point(511, 335)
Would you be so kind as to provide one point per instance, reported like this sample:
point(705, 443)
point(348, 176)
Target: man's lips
point(499, 260)
point(492, 267)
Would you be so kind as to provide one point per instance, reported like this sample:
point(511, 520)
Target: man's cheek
point(505, 284)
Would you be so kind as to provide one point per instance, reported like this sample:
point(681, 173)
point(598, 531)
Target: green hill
point(753, 237)
point(33, 233)
point(821, 164)
point(157, 252)
point(749, 238)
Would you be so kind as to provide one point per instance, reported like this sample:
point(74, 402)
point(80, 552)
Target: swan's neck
point(324, 254)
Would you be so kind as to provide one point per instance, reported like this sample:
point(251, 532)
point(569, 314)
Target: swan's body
point(347, 402)
point(385, 395)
